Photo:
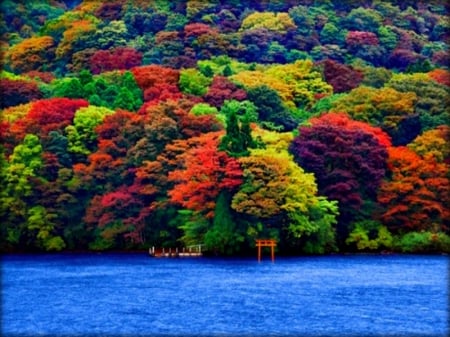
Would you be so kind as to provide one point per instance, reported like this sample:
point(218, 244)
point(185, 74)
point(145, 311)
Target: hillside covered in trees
point(128, 124)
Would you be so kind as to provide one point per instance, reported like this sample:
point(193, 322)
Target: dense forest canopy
point(127, 124)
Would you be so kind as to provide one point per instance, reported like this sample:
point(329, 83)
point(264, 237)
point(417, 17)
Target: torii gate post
point(266, 243)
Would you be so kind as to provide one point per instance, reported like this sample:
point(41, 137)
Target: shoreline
point(214, 256)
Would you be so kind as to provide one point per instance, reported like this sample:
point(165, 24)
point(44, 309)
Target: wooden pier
point(272, 243)
point(191, 251)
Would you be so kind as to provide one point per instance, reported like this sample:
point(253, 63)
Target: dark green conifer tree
point(223, 237)
point(238, 138)
point(207, 71)
point(227, 71)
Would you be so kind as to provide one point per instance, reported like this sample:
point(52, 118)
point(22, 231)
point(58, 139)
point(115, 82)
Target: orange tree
point(416, 197)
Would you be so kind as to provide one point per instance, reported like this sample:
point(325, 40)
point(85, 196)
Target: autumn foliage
point(32, 54)
point(416, 197)
point(343, 78)
point(207, 172)
point(131, 124)
point(15, 92)
point(157, 83)
point(348, 161)
point(121, 58)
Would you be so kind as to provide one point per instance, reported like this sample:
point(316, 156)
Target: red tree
point(121, 58)
point(15, 92)
point(441, 76)
point(222, 89)
point(158, 83)
point(357, 38)
point(197, 29)
point(344, 121)
point(402, 58)
point(416, 197)
point(348, 160)
point(44, 76)
point(341, 77)
point(148, 76)
point(206, 172)
point(47, 115)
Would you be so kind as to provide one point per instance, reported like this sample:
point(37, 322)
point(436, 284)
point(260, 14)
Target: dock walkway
point(191, 251)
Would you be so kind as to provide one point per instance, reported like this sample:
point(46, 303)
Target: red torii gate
point(272, 243)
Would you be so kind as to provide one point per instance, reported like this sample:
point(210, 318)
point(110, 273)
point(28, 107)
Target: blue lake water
point(133, 294)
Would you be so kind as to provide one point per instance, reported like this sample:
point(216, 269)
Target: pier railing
point(188, 251)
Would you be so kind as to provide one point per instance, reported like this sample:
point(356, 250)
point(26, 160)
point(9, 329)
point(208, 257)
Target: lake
point(134, 294)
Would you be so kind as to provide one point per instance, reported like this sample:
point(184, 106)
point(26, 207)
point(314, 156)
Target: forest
point(128, 124)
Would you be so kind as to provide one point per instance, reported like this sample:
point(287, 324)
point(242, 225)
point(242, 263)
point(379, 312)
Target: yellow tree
point(304, 82)
point(14, 113)
point(256, 78)
point(280, 22)
point(75, 33)
point(195, 8)
point(276, 190)
point(387, 108)
point(296, 83)
point(433, 142)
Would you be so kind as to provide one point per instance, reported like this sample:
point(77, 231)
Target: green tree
point(238, 138)
point(433, 99)
point(194, 82)
point(124, 100)
point(114, 34)
point(422, 242)
point(330, 34)
point(127, 81)
point(176, 21)
point(207, 71)
point(376, 77)
point(41, 224)
point(69, 88)
point(85, 77)
point(388, 39)
point(363, 19)
point(81, 135)
point(224, 237)
point(243, 109)
point(201, 109)
point(25, 162)
point(194, 227)
point(270, 108)
point(27, 223)
point(227, 71)
point(388, 108)
point(370, 235)
point(57, 143)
